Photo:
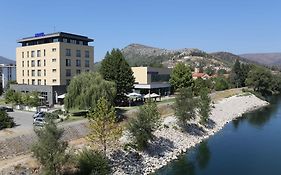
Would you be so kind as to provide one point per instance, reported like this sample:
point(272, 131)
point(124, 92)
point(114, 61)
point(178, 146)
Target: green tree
point(9, 96)
point(220, 84)
point(86, 89)
point(30, 99)
point(276, 84)
point(204, 106)
point(92, 162)
point(222, 71)
point(115, 68)
point(199, 84)
point(144, 124)
point(103, 126)
point(210, 71)
point(235, 74)
point(260, 80)
point(50, 149)
point(5, 120)
point(181, 76)
point(185, 106)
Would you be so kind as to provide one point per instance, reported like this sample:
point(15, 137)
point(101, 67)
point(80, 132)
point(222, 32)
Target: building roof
point(57, 34)
point(200, 75)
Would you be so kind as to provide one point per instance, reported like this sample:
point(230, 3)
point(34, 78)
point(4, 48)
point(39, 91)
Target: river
point(250, 145)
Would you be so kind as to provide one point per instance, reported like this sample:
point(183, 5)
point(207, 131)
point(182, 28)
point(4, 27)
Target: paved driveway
point(23, 122)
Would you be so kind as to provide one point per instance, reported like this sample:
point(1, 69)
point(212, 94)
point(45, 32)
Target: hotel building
point(47, 62)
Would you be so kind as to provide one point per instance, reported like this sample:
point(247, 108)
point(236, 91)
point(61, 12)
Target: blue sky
point(238, 26)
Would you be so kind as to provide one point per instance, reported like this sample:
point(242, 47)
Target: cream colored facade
point(148, 75)
point(46, 64)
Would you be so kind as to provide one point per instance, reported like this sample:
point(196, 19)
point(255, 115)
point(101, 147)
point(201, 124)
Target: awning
point(61, 96)
point(153, 95)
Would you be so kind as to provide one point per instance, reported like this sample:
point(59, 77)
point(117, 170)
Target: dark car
point(7, 109)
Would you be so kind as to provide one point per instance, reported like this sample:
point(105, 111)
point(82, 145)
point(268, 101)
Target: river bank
point(171, 141)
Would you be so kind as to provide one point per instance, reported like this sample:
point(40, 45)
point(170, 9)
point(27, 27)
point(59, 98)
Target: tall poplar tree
point(115, 68)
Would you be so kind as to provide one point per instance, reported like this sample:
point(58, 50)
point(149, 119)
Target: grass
point(219, 95)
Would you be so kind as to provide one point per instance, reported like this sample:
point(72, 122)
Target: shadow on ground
point(159, 146)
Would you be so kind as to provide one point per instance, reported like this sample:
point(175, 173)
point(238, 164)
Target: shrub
point(144, 124)
point(5, 120)
point(92, 162)
point(185, 106)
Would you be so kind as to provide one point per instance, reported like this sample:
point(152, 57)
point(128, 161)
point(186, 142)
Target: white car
point(38, 121)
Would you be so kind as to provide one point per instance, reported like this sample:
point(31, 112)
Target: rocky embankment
point(171, 141)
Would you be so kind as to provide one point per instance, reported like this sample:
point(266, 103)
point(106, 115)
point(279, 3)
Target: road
point(23, 122)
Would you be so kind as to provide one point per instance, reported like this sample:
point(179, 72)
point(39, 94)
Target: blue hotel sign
point(39, 34)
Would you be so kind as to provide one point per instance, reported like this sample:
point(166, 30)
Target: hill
point(4, 60)
point(269, 59)
point(230, 57)
point(141, 55)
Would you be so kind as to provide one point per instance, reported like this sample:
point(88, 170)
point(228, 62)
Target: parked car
point(7, 109)
point(39, 114)
point(38, 121)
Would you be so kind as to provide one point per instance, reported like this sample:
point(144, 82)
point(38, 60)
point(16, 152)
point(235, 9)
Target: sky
point(237, 26)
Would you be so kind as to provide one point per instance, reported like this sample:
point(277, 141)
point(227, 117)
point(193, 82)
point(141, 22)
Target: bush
point(185, 106)
point(5, 120)
point(220, 84)
point(144, 124)
point(92, 162)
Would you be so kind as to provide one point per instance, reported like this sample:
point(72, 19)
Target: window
point(54, 80)
point(38, 53)
point(68, 62)
point(87, 54)
point(38, 63)
point(87, 63)
point(80, 42)
point(44, 62)
point(27, 54)
point(32, 63)
point(33, 73)
point(54, 60)
point(27, 63)
point(32, 54)
point(68, 72)
point(54, 49)
point(28, 81)
point(39, 73)
point(55, 40)
point(73, 41)
point(54, 70)
point(28, 73)
point(33, 81)
point(44, 52)
point(22, 55)
point(78, 71)
point(64, 40)
point(87, 70)
point(78, 53)
point(78, 63)
point(44, 82)
point(68, 52)
point(44, 72)
point(22, 63)
point(39, 81)
point(22, 81)
point(22, 72)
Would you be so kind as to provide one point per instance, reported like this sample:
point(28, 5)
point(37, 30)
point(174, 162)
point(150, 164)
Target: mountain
point(141, 55)
point(4, 60)
point(269, 59)
point(230, 57)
